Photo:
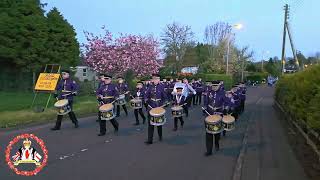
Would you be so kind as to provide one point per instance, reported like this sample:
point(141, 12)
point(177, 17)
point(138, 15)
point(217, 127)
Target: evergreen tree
point(62, 46)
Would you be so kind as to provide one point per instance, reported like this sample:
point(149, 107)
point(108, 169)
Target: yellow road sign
point(47, 81)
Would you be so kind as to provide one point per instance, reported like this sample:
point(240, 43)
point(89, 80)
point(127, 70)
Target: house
point(84, 73)
point(192, 70)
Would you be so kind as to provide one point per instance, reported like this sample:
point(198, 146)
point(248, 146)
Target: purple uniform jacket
point(139, 93)
point(242, 93)
point(179, 99)
point(108, 90)
point(215, 99)
point(236, 98)
point(122, 88)
point(67, 85)
point(155, 96)
point(199, 87)
point(229, 102)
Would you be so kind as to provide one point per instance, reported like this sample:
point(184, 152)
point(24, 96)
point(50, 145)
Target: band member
point(179, 100)
point(123, 90)
point(66, 89)
point(170, 89)
point(101, 83)
point(189, 92)
point(155, 97)
point(236, 97)
point(229, 106)
point(199, 89)
point(214, 105)
point(206, 90)
point(243, 90)
point(194, 86)
point(140, 92)
point(111, 91)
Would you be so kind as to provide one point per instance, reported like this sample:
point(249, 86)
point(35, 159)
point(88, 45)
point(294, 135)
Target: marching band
point(221, 108)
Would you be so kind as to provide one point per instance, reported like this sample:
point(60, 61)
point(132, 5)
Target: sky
point(262, 20)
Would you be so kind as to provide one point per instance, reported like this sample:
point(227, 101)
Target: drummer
point(229, 106)
point(111, 91)
point(155, 97)
point(243, 90)
point(67, 88)
point(237, 102)
point(123, 90)
point(139, 94)
point(189, 92)
point(214, 105)
point(178, 100)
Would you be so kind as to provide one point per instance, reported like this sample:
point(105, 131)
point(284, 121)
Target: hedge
point(257, 77)
point(299, 94)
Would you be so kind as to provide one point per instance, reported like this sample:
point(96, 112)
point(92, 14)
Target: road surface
point(256, 150)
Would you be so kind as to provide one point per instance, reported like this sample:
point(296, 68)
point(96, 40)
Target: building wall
point(84, 73)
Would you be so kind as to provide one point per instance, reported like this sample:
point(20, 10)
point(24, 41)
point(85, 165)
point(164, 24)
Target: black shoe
point(182, 124)
point(217, 148)
point(148, 142)
point(55, 129)
point(160, 138)
point(207, 154)
point(101, 134)
point(76, 125)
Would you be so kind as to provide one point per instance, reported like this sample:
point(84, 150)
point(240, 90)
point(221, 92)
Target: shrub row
point(299, 94)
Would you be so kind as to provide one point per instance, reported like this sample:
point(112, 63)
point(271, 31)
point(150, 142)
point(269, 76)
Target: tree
point(244, 55)
point(62, 46)
point(176, 38)
point(23, 34)
point(116, 56)
point(217, 35)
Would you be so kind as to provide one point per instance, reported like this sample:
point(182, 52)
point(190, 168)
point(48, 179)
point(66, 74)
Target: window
point(84, 74)
point(84, 70)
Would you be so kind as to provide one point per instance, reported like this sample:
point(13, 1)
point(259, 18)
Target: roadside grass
point(15, 108)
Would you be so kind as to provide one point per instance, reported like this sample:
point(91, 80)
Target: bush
point(257, 77)
point(299, 94)
point(228, 80)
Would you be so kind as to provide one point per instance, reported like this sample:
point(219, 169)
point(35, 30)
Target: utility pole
point(283, 61)
point(286, 28)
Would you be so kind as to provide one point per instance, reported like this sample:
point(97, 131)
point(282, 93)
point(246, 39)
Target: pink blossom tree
point(106, 54)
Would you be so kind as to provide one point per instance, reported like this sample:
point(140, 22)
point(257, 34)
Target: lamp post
point(235, 26)
point(263, 56)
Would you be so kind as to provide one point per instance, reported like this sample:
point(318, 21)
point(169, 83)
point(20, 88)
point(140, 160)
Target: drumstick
point(206, 111)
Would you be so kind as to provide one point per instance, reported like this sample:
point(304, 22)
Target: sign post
point(47, 82)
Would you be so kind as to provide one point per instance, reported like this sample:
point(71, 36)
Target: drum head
point(228, 119)
point(213, 118)
point(136, 100)
point(159, 111)
point(61, 103)
point(176, 108)
point(106, 107)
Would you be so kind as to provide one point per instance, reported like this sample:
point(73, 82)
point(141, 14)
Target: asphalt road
point(80, 154)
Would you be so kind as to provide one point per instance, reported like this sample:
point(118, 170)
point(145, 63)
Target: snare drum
point(62, 106)
point(107, 112)
point(157, 116)
point(121, 100)
point(177, 111)
point(213, 124)
point(136, 103)
point(228, 122)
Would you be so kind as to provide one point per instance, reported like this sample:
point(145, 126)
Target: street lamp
point(237, 27)
point(263, 56)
